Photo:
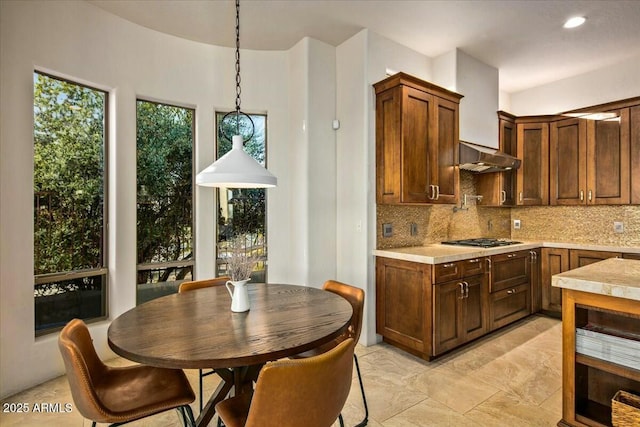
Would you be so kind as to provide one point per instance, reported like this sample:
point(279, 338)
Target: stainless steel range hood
point(480, 159)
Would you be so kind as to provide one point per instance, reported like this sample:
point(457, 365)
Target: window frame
point(222, 112)
point(39, 279)
point(175, 263)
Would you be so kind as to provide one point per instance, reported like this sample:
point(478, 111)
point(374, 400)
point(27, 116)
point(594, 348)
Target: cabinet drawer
point(509, 270)
point(458, 269)
point(471, 267)
point(509, 305)
point(447, 271)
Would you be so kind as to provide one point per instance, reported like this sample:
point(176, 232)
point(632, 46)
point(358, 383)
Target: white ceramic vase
point(239, 295)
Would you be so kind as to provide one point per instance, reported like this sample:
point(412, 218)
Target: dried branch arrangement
point(239, 263)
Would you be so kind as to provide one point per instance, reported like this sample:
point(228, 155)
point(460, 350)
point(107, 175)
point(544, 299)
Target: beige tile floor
point(509, 378)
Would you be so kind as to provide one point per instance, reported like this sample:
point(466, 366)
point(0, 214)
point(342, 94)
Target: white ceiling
point(523, 39)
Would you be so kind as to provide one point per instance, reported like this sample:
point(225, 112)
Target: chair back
point(83, 368)
point(355, 296)
point(308, 392)
point(198, 284)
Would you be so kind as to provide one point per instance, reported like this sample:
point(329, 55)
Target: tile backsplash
point(570, 224)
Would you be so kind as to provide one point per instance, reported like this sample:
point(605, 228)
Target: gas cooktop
point(482, 243)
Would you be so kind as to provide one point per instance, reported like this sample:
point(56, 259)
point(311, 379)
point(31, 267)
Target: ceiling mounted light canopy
point(236, 169)
point(574, 22)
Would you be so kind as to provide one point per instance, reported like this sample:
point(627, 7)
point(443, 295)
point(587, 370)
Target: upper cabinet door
point(443, 152)
point(608, 165)
point(567, 162)
point(634, 126)
point(532, 179)
point(417, 113)
point(388, 136)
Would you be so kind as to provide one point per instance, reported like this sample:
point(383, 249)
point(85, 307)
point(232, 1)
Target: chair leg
point(200, 379)
point(189, 415)
point(341, 420)
point(364, 398)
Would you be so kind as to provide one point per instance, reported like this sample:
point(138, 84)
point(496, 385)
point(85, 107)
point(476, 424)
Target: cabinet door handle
point(581, 195)
point(503, 197)
point(534, 256)
point(461, 290)
point(437, 191)
point(466, 289)
point(520, 196)
point(488, 265)
point(432, 188)
point(590, 195)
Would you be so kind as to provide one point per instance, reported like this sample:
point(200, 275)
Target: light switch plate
point(387, 230)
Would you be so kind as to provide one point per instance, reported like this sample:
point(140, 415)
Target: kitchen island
point(601, 338)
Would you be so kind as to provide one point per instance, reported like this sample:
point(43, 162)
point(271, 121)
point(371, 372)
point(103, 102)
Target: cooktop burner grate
point(481, 242)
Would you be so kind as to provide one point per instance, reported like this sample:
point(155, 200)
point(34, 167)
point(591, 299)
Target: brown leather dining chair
point(119, 395)
point(355, 296)
point(192, 286)
point(307, 392)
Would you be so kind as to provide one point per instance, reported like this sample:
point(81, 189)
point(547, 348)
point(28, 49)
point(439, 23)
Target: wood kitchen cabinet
point(499, 188)
point(554, 261)
point(589, 161)
point(460, 305)
point(588, 382)
point(532, 178)
point(536, 279)
point(404, 304)
point(509, 288)
point(416, 142)
point(634, 134)
point(580, 257)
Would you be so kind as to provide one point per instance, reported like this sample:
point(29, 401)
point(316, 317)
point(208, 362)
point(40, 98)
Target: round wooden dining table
point(198, 330)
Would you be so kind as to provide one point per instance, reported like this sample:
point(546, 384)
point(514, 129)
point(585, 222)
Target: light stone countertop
point(437, 253)
point(615, 277)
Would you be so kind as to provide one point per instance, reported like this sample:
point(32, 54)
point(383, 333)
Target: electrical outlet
point(414, 229)
point(387, 230)
point(516, 224)
point(618, 227)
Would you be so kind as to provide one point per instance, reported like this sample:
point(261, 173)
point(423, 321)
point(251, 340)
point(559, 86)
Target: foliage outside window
point(164, 198)
point(69, 202)
point(242, 212)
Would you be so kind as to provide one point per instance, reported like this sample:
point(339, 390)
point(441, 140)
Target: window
point(164, 198)
point(69, 178)
point(242, 212)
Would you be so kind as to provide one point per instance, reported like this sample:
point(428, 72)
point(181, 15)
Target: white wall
point(312, 148)
point(81, 42)
point(611, 83)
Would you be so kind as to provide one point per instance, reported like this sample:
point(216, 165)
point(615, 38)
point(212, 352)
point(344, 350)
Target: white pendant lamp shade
point(236, 169)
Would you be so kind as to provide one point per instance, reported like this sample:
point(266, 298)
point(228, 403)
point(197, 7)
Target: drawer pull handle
point(474, 261)
point(511, 291)
point(511, 255)
point(451, 264)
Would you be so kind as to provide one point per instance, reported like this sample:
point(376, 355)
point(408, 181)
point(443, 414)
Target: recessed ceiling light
point(574, 22)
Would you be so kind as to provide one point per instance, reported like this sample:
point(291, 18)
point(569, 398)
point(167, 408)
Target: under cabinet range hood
point(480, 159)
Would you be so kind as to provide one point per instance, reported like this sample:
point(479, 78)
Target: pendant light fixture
point(236, 169)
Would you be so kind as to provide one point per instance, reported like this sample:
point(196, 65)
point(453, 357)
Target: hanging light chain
point(238, 89)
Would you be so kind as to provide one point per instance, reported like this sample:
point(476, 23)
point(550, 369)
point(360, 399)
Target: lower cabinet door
point(460, 308)
point(474, 309)
point(447, 330)
point(509, 305)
